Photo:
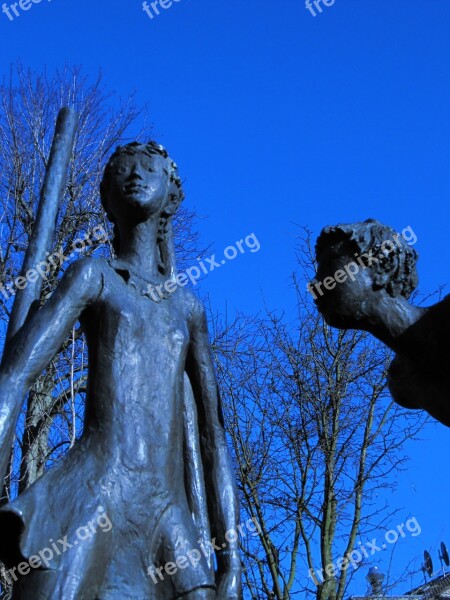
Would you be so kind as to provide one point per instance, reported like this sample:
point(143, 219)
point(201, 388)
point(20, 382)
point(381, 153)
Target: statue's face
point(139, 186)
point(342, 288)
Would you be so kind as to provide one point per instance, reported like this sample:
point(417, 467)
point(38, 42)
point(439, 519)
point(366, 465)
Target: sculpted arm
point(37, 342)
point(220, 485)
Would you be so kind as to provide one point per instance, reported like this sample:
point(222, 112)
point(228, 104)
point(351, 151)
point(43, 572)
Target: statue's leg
point(202, 594)
point(38, 585)
point(177, 562)
point(77, 572)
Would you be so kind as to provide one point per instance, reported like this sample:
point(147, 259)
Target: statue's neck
point(392, 323)
point(138, 247)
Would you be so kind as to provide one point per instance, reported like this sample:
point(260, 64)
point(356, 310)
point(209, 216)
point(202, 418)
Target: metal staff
point(40, 244)
point(45, 224)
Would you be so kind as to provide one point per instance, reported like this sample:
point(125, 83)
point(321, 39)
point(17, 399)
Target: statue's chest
point(134, 321)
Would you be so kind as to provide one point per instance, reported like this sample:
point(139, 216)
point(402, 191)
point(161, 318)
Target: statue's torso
point(129, 463)
point(137, 355)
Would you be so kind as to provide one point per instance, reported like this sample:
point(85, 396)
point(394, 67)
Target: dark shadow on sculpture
point(365, 274)
point(153, 456)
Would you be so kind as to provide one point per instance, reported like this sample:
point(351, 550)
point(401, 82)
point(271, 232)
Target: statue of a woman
point(130, 463)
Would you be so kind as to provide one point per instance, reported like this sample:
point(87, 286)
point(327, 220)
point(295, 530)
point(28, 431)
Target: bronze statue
point(365, 274)
point(138, 463)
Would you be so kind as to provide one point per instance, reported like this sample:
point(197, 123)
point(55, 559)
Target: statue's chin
point(338, 320)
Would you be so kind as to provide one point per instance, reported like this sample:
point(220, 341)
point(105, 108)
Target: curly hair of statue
point(395, 270)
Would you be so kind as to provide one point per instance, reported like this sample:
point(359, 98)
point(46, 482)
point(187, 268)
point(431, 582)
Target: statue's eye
point(121, 169)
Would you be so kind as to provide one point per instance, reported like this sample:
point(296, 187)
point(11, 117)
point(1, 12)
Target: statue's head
point(361, 264)
point(141, 182)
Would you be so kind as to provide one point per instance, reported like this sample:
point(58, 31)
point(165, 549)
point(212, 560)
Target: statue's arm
point(37, 342)
point(220, 485)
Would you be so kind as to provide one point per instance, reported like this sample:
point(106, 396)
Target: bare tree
point(315, 437)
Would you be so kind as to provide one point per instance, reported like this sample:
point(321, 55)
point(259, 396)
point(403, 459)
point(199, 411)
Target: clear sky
point(277, 119)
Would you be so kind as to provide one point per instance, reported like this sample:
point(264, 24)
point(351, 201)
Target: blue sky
point(278, 119)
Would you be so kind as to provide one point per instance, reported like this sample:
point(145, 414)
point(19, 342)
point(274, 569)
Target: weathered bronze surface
point(152, 459)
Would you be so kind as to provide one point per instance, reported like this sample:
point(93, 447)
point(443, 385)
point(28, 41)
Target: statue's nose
point(135, 173)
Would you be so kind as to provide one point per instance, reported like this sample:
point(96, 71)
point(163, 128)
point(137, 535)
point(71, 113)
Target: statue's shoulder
point(194, 308)
point(87, 267)
point(446, 302)
point(87, 273)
